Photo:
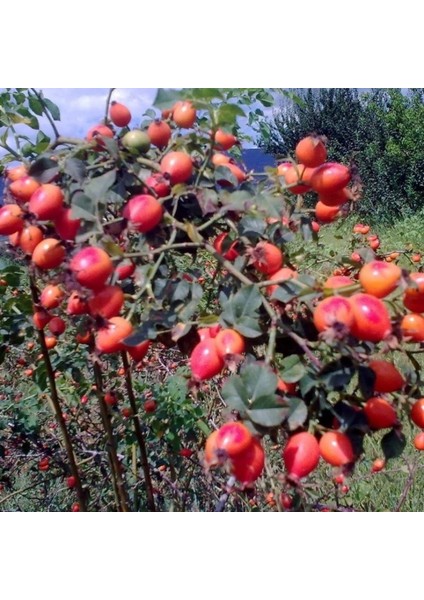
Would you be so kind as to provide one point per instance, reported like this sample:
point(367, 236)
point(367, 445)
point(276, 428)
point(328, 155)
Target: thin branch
point(224, 497)
point(139, 434)
point(56, 403)
point(109, 96)
point(47, 113)
point(409, 483)
point(115, 466)
point(11, 151)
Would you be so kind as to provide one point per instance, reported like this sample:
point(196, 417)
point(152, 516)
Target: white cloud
point(83, 107)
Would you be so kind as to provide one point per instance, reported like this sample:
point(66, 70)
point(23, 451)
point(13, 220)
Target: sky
point(83, 107)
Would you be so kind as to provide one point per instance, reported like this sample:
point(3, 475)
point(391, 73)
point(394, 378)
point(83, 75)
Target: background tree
point(380, 132)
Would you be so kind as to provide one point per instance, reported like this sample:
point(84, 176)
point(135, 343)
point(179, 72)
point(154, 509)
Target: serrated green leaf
point(75, 168)
point(366, 377)
point(298, 413)
point(83, 207)
point(252, 394)
point(292, 369)
point(235, 393)
point(206, 94)
point(265, 98)
point(337, 375)
point(111, 145)
point(306, 384)
point(227, 114)
point(259, 380)
point(35, 105)
point(166, 98)
point(52, 108)
point(44, 169)
point(269, 417)
point(286, 291)
point(16, 119)
point(97, 187)
point(241, 311)
point(393, 444)
point(181, 291)
point(240, 200)
point(250, 226)
point(269, 205)
point(222, 175)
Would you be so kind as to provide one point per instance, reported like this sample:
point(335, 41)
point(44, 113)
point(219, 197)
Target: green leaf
point(286, 291)
point(265, 98)
point(259, 380)
point(235, 393)
point(269, 205)
point(16, 119)
point(40, 376)
point(33, 121)
point(35, 105)
point(223, 174)
point(305, 228)
point(166, 98)
point(177, 387)
point(181, 292)
point(111, 146)
point(271, 417)
point(43, 169)
point(42, 142)
point(292, 369)
point(228, 113)
point(75, 168)
point(97, 187)
point(203, 427)
point(83, 207)
point(206, 94)
point(250, 226)
point(240, 311)
point(208, 200)
point(298, 413)
point(240, 200)
point(337, 374)
point(366, 378)
point(393, 444)
point(53, 109)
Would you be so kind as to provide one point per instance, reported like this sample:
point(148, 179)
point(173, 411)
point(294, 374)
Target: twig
point(109, 96)
point(224, 497)
point(56, 403)
point(47, 113)
point(409, 483)
point(115, 467)
point(139, 434)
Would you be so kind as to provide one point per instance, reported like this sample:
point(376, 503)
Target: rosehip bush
point(170, 319)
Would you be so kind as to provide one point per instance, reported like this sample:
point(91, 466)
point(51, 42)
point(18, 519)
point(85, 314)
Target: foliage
point(222, 338)
point(380, 132)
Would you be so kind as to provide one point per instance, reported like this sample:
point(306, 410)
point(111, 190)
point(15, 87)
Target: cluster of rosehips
point(364, 314)
point(216, 347)
point(234, 445)
point(176, 166)
point(311, 173)
point(36, 209)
